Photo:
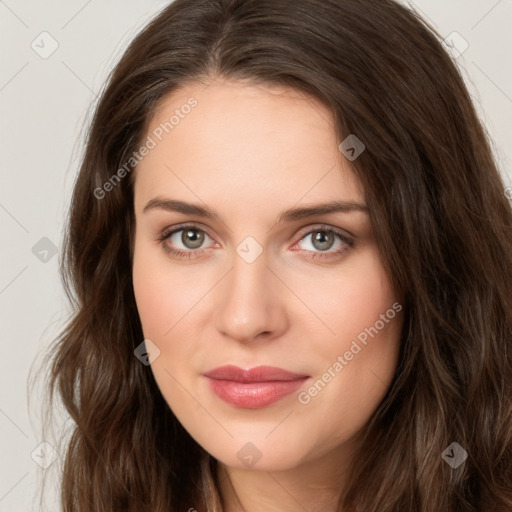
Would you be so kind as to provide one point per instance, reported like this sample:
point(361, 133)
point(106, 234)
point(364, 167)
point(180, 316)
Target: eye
point(323, 240)
point(185, 241)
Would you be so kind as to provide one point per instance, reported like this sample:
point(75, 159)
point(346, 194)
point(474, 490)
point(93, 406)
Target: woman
point(290, 251)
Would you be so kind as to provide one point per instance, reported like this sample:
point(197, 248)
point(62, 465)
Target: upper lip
point(256, 374)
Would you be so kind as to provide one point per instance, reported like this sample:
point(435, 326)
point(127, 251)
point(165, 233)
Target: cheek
point(153, 303)
point(354, 303)
point(358, 362)
point(169, 300)
point(163, 293)
point(164, 296)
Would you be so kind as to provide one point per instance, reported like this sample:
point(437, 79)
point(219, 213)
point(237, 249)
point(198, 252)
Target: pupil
point(323, 240)
point(192, 238)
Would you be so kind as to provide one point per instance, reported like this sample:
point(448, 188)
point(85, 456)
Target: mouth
point(255, 387)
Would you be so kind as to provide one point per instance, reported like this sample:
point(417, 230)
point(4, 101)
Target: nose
point(250, 302)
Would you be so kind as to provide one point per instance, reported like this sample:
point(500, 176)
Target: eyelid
point(179, 227)
point(301, 233)
point(346, 235)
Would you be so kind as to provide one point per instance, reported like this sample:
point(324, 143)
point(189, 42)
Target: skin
point(249, 152)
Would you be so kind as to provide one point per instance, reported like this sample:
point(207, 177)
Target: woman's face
point(260, 280)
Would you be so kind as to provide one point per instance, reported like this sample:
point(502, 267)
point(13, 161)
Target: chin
point(258, 456)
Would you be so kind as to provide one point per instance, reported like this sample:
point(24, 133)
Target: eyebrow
point(292, 214)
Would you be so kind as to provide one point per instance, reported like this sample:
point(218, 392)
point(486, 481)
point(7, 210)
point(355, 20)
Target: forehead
point(248, 142)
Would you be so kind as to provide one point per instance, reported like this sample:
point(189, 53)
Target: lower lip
point(253, 395)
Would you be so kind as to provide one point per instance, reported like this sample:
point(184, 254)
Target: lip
point(253, 388)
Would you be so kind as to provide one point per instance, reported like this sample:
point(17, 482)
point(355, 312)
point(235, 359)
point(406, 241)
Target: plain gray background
point(45, 100)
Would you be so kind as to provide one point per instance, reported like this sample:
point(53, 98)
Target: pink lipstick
point(255, 387)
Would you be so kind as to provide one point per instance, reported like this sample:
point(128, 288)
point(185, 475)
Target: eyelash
point(191, 254)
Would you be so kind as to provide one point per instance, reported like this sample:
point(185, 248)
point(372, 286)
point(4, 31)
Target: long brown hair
point(443, 226)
